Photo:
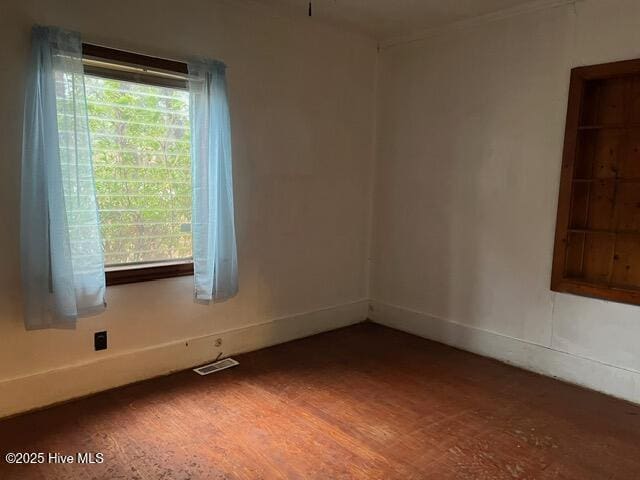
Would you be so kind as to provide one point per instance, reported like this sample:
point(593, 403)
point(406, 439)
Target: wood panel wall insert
point(597, 246)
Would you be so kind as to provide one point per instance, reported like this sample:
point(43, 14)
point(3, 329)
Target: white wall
point(302, 116)
point(470, 134)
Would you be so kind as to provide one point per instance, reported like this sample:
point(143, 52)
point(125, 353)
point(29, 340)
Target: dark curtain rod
point(106, 53)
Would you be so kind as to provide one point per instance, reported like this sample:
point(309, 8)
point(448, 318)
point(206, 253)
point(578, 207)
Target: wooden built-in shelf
point(612, 126)
point(597, 248)
point(608, 232)
point(606, 179)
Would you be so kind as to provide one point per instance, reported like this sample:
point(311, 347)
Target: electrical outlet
point(218, 342)
point(100, 341)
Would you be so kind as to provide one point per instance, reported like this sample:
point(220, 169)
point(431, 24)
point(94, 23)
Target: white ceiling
point(385, 19)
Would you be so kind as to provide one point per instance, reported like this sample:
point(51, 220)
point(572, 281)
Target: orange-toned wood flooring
point(361, 402)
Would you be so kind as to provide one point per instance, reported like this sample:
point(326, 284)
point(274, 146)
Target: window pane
point(141, 158)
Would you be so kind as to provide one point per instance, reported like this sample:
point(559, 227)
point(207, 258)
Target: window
point(140, 136)
point(597, 248)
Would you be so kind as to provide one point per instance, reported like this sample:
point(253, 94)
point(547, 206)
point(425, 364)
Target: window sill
point(135, 274)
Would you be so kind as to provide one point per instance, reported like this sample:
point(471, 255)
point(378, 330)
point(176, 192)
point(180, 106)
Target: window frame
point(560, 282)
point(155, 71)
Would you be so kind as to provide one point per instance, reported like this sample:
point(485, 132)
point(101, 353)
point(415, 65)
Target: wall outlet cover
point(100, 341)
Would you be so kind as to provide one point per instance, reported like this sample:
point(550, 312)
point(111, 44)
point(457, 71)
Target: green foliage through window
point(142, 169)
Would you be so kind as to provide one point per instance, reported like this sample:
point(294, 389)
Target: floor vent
point(216, 366)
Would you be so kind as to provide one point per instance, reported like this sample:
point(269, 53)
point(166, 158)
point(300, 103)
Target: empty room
point(326, 239)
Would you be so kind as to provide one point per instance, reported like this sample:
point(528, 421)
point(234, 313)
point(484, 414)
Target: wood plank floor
point(362, 402)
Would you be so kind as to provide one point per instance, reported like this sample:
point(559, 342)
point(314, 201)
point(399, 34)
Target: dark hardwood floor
point(362, 402)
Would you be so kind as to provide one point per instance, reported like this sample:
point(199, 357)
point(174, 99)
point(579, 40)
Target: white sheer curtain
point(214, 239)
point(61, 248)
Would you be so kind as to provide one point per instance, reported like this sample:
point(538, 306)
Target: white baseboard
point(616, 381)
point(53, 386)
